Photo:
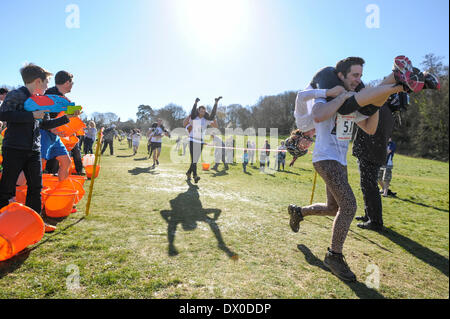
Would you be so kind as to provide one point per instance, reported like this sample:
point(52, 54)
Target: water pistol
point(53, 103)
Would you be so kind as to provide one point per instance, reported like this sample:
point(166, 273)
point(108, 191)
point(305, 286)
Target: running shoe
point(431, 81)
point(296, 217)
point(411, 78)
point(196, 179)
point(157, 162)
point(338, 266)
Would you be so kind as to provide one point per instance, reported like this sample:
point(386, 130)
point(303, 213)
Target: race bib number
point(344, 126)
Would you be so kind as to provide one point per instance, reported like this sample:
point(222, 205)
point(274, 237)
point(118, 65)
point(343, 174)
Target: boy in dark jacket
point(21, 147)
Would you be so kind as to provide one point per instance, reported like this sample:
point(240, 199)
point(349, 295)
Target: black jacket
point(22, 128)
point(373, 148)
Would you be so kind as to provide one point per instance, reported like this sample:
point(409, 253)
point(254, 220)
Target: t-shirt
point(156, 136)
point(303, 107)
point(91, 132)
point(136, 138)
point(199, 126)
point(333, 136)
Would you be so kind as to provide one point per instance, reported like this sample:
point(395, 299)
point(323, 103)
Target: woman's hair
point(92, 124)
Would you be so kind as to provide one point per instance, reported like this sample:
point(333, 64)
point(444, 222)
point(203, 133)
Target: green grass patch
point(152, 235)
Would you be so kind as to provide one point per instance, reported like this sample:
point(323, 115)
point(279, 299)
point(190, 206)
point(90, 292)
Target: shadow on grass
point(288, 172)
point(142, 170)
point(360, 289)
point(122, 156)
point(14, 263)
point(141, 159)
point(187, 210)
point(220, 173)
point(414, 248)
point(421, 204)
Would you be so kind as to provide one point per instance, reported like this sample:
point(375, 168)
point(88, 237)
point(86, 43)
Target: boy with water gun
point(21, 147)
point(53, 149)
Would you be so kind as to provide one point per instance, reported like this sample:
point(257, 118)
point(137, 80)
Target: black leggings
point(15, 161)
point(195, 149)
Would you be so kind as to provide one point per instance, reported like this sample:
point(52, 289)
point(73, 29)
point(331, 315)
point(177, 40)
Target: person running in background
point(89, 138)
point(251, 151)
point(219, 152)
point(267, 148)
point(245, 159)
point(281, 156)
point(136, 138)
point(262, 160)
point(129, 139)
point(156, 140)
point(108, 139)
point(385, 175)
point(229, 154)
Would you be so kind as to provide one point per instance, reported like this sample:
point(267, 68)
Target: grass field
point(152, 235)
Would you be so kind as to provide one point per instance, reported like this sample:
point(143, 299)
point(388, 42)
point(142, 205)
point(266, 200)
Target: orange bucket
point(80, 179)
point(75, 125)
point(49, 181)
point(21, 194)
point(205, 166)
point(20, 226)
point(74, 185)
point(89, 169)
point(72, 168)
point(70, 142)
point(59, 202)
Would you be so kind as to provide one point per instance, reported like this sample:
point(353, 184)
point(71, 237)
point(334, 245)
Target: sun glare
point(212, 26)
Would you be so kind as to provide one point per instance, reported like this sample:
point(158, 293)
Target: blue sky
point(156, 52)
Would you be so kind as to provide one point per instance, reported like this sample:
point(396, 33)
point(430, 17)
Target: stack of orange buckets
point(21, 226)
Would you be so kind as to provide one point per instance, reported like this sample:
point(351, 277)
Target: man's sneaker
point(431, 81)
point(196, 179)
point(370, 226)
point(296, 217)
point(411, 78)
point(157, 162)
point(338, 266)
point(362, 218)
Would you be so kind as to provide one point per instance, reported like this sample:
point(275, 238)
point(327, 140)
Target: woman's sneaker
point(295, 213)
point(338, 266)
point(404, 73)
